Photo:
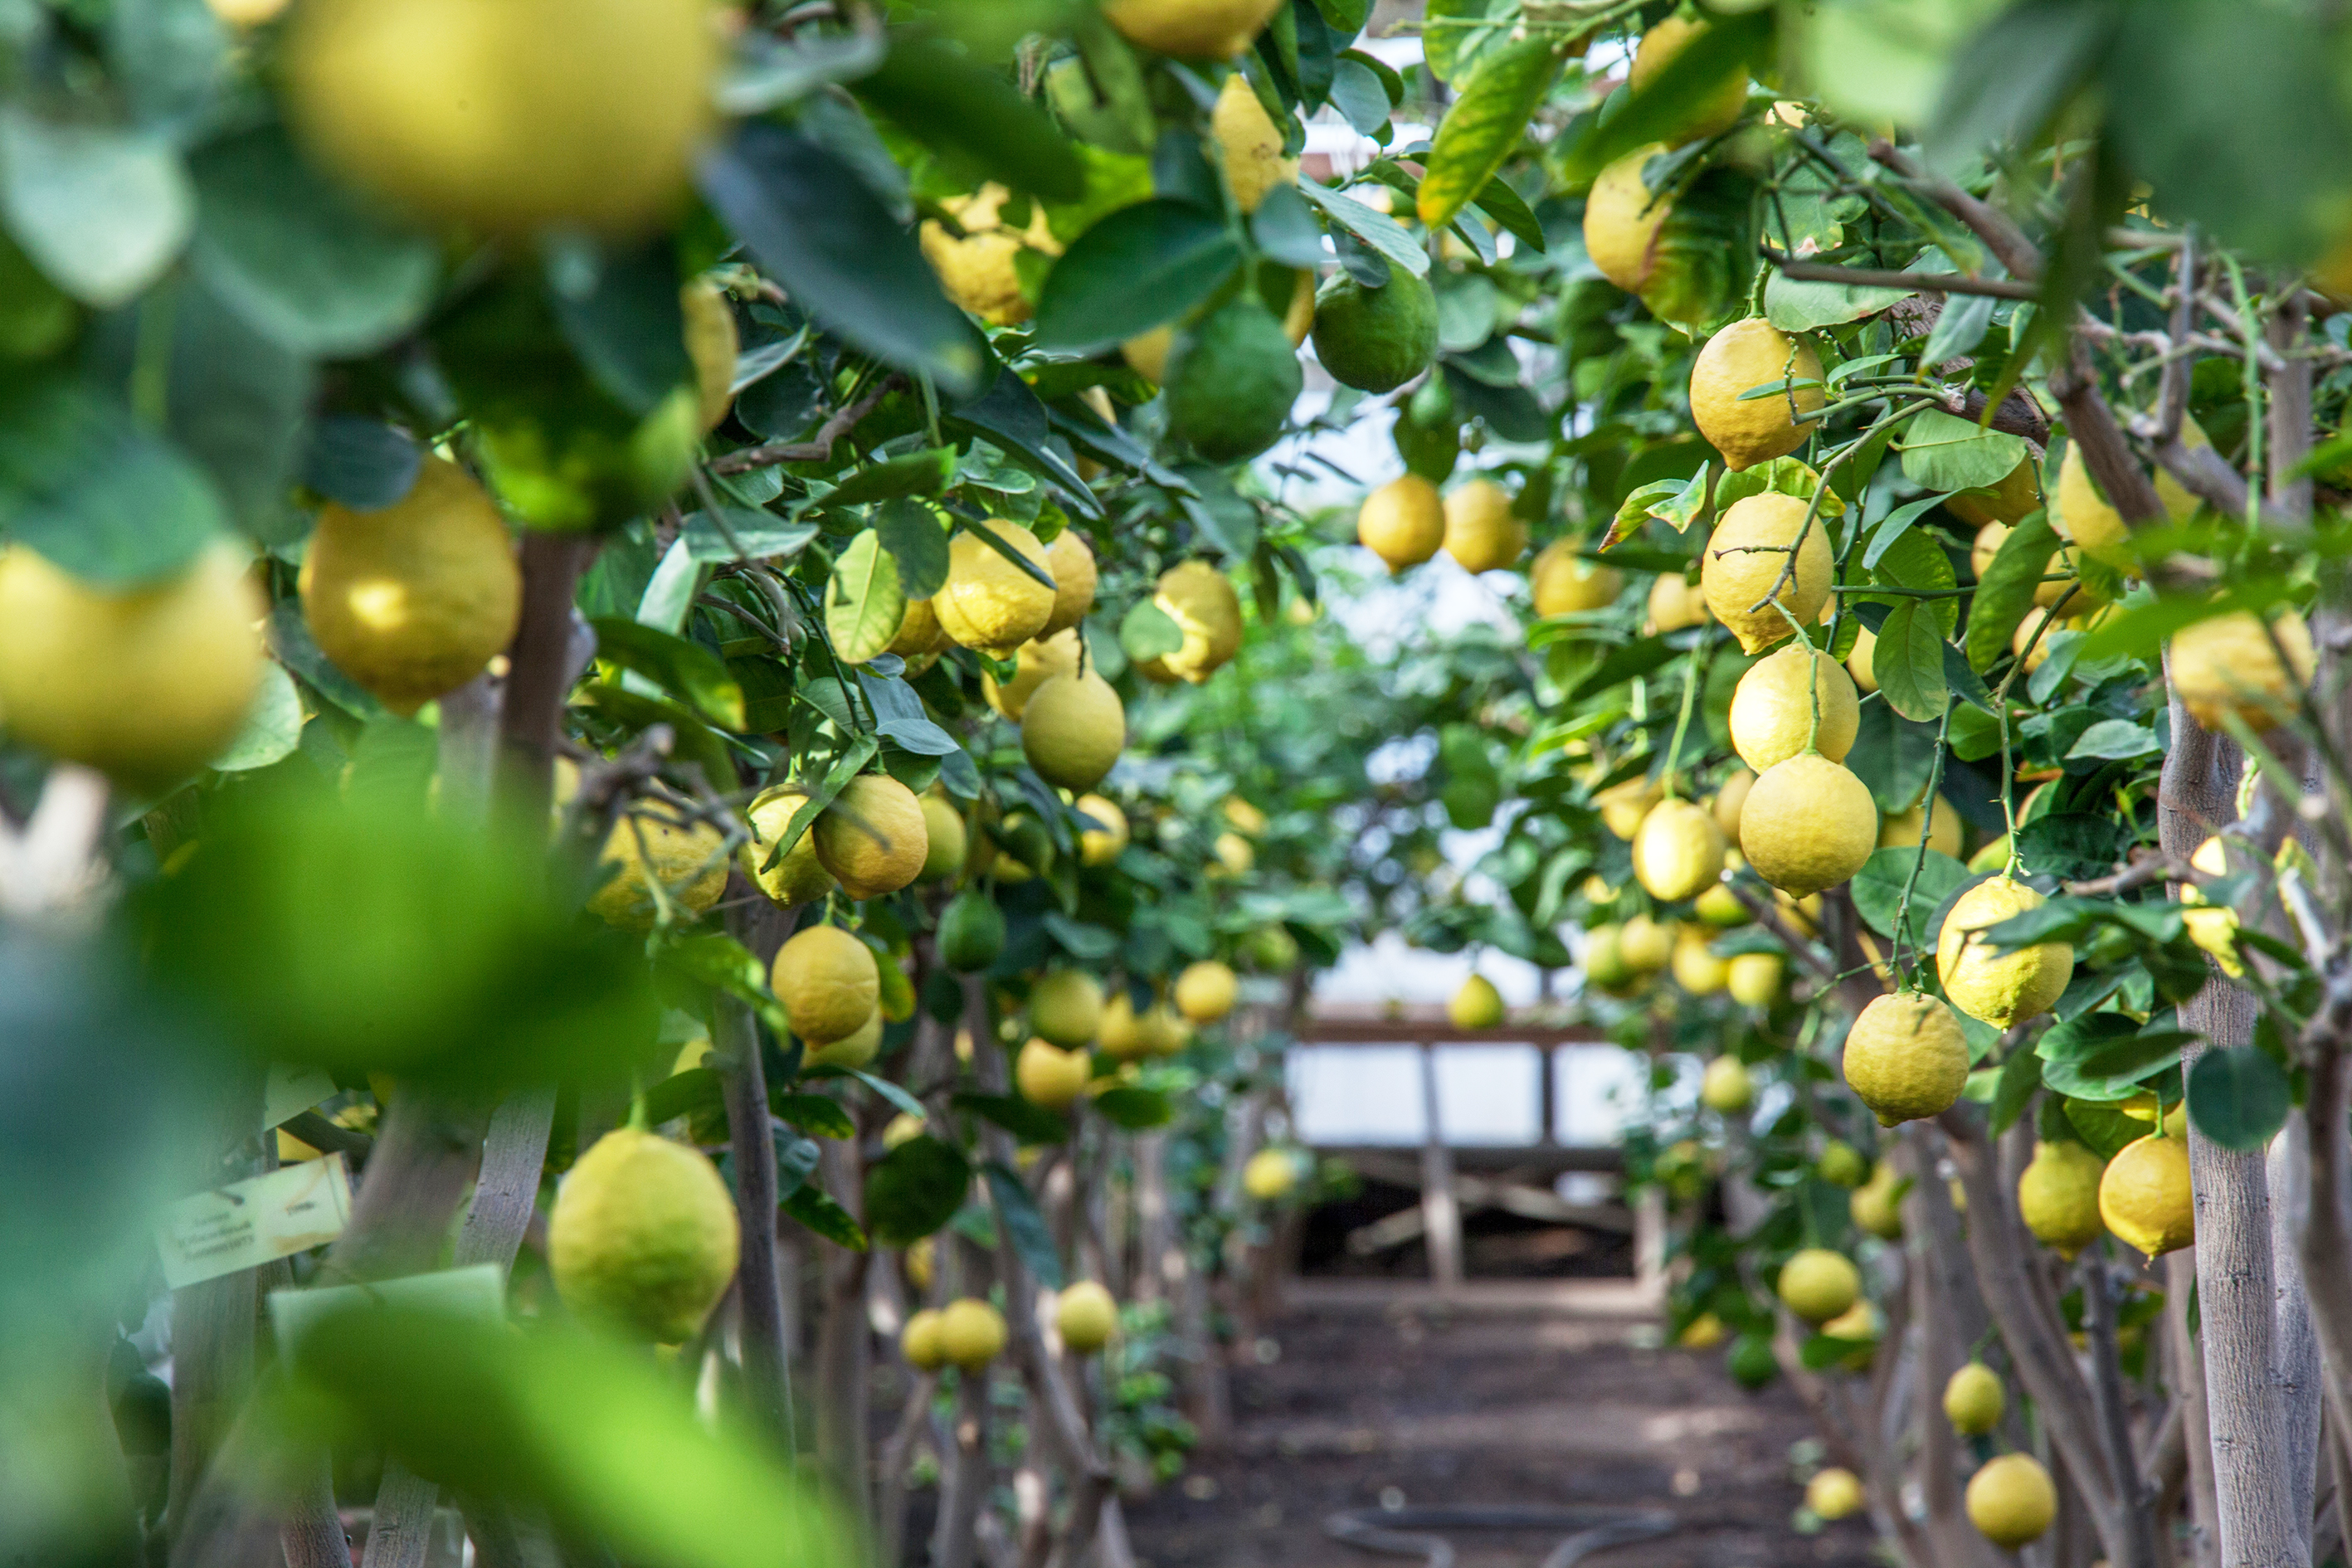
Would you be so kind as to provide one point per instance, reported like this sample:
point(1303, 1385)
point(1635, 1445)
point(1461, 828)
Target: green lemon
point(1376, 339)
point(1232, 379)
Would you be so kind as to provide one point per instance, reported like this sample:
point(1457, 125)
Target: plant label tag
point(250, 1223)
point(290, 1091)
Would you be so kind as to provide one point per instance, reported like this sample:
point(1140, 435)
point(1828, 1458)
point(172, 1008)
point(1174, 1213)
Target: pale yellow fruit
point(1481, 534)
point(1243, 816)
point(1745, 558)
point(918, 1258)
point(1566, 583)
point(1248, 143)
point(2086, 518)
point(690, 861)
point(1299, 321)
point(987, 602)
point(1709, 116)
point(1191, 29)
point(1085, 1316)
point(1730, 796)
point(1807, 825)
point(1202, 602)
point(1166, 1031)
point(2214, 928)
point(146, 685)
point(979, 269)
point(712, 346)
point(643, 1236)
point(828, 983)
point(1742, 356)
point(919, 1342)
point(246, 13)
point(1876, 1208)
point(1701, 1333)
point(1067, 1007)
point(872, 837)
point(2231, 663)
point(1861, 1323)
point(1476, 1005)
point(972, 1333)
point(854, 1050)
point(1905, 1058)
point(1644, 944)
point(513, 117)
point(1604, 961)
point(1974, 1400)
point(1099, 845)
point(1719, 906)
point(1858, 662)
point(2058, 1196)
point(1696, 969)
point(1621, 219)
point(946, 840)
point(1270, 1174)
point(2018, 493)
point(1901, 829)
point(1772, 711)
point(1403, 522)
point(1034, 662)
point(1204, 993)
point(1676, 604)
point(1073, 730)
point(1834, 1494)
point(1071, 560)
point(796, 878)
point(412, 600)
point(2010, 1501)
point(1121, 1036)
point(1050, 1076)
point(2144, 1197)
point(2002, 989)
point(1725, 1086)
point(1147, 353)
point(919, 640)
point(1817, 1285)
point(1234, 855)
point(2059, 573)
point(1624, 806)
point(1754, 980)
point(1679, 850)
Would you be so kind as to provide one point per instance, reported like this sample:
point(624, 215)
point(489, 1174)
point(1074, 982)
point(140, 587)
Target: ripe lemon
point(1375, 340)
point(2010, 1501)
point(412, 600)
point(1645, 944)
point(1204, 992)
point(1231, 381)
point(2018, 493)
point(1742, 356)
point(1807, 825)
point(1071, 560)
point(1676, 603)
point(1145, 353)
point(945, 840)
point(713, 345)
point(2003, 989)
point(1974, 1400)
point(828, 983)
point(1902, 828)
point(1746, 556)
point(512, 117)
point(2214, 928)
point(1621, 219)
point(1166, 1032)
point(2060, 572)
point(1754, 980)
point(1905, 1058)
point(1701, 1333)
point(972, 1333)
point(1677, 851)
point(1604, 961)
point(1051, 1077)
point(1101, 844)
point(688, 860)
point(1862, 1323)
point(855, 1050)
point(1481, 534)
point(1696, 969)
point(2229, 665)
point(1403, 522)
point(2086, 518)
point(1191, 29)
point(643, 1236)
point(1724, 1086)
point(1710, 115)
point(1875, 1206)
point(1249, 144)
point(1121, 1036)
point(1858, 662)
point(145, 685)
point(987, 602)
point(1730, 796)
point(979, 270)
point(919, 1342)
point(799, 877)
point(1202, 602)
point(2144, 1197)
point(1771, 711)
point(1625, 806)
point(1243, 816)
point(1477, 1005)
point(1270, 1175)
point(1073, 730)
point(1034, 661)
point(1085, 1316)
point(1565, 583)
point(2058, 1195)
point(1067, 1007)
point(1817, 1285)
point(1719, 906)
point(1834, 1494)
point(1840, 1164)
point(920, 640)
point(872, 836)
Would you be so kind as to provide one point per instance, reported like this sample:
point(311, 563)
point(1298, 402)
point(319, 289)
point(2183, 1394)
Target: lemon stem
point(1907, 974)
point(1690, 696)
point(637, 1102)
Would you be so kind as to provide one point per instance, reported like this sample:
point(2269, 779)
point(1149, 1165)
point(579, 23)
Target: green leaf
point(1484, 126)
point(2021, 1075)
point(757, 535)
point(1878, 890)
point(863, 604)
point(1147, 631)
point(1510, 210)
point(617, 309)
point(944, 99)
point(1795, 306)
point(87, 486)
point(924, 473)
point(2238, 1096)
point(717, 961)
point(363, 463)
point(2105, 1056)
point(1894, 526)
point(696, 741)
point(1140, 268)
point(2105, 1130)
point(1359, 94)
point(819, 1114)
point(697, 1090)
point(1010, 414)
point(1383, 233)
point(1137, 1109)
point(686, 670)
point(1457, 32)
point(273, 727)
point(816, 1210)
point(910, 532)
point(1028, 1121)
point(905, 1102)
point(1663, 108)
point(1945, 452)
point(102, 210)
point(1908, 661)
point(915, 1189)
point(1017, 1212)
point(2118, 740)
point(2005, 593)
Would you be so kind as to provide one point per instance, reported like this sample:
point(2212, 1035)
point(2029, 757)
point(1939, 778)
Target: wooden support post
point(1440, 1212)
point(1548, 1095)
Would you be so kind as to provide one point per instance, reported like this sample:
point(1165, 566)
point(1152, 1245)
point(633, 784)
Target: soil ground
point(1361, 1404)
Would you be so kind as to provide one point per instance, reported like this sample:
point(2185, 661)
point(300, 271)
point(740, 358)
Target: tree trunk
point(759, 1282)
point(2188, 1359)
point(845, 1349)
point(1952, 1319)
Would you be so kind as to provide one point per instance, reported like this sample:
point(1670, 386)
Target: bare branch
point(816, 451)
point(1884, 277)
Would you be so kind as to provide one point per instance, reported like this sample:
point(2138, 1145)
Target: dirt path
point(1360, 1407)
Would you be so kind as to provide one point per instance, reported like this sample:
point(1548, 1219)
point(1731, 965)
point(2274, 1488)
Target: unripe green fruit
point(972, 931)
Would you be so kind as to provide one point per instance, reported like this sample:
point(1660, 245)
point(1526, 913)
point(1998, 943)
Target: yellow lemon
point(2002, 989)
point(1604, 960)
point(2058, 1196)
point(1741, 357)
point(1875, 1207)
point(2010, 1501)
point(2144, 1197)
point(1772, 710)
point(798, 876)
point(1099, 844)
point(2231, 663)
point(1745, 558)
point(2060, 572)
point(919, 640)
point(1147, 353)
point(1703, 1332)
point(828, 983)
point(1730, 795)
point(1974, 1400)
point(1270, 1175)
point(1754, 980)
point(1565, 583)
point(1071, 560)
point(1121, 1034)
point(1625, 806)
point(2212, 927)
point(1403, 522)
point(1696, 969)
point(1840, 1164)
point(1085, 1316)
point(1644, 944)
point(145, 684)
point(1034, 662)
point(1206, 991)
point(1065, 1006)
point(987, 602)
point(979, 269)
point(919, 1342)
point(1191, 29)
point(1905, 1058)
point(1248, 143)
point(1834, 1494)
point(972, 1333)
point(713, 345)
point(1817, 1285)
point(1676, 603)
point(1481, 534)
point(1050, 1076)
point(1902, 828)
point(872, 837)
point(1719, 906)
point(1477, 1005)
point(1714, 114)
point(1234, 855)
point(690, 861)
point(1202, 602)
point(945, 840)
point(2086, 518)
point(1858, 662)
point(643, 1236)
point(1073, 730)
point(1807, 824)
point(1621, 219)
point(1244, 817)
point(855, 1050)
point(1724, 1086)
point(1677, 851)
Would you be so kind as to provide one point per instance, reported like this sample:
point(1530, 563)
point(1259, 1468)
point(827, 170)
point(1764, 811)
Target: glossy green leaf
point(1140, 268)
point(273, 729)
point(1137, 1109)
point(914, 1190)
point(686, 669)
point(863, 603)
point(2238, 1096)
point(1945, 452)
point(818, 1212)
point(1483, 126)
point(1908, 661)
point(910, 532)
point(85, 485)
point(2005, 593)
point(923, 473)
point(102, 210)
point(976, 115)
point(1381, 233)
point(1878, 890)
